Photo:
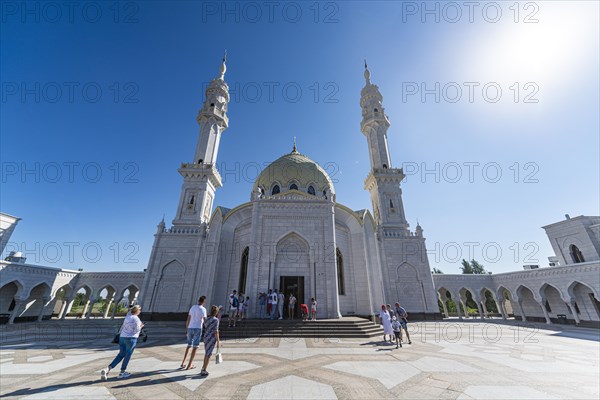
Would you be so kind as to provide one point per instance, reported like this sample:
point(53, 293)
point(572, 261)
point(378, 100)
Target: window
point(311, 190)
point(275, 190)
point(243, 271)
point(391, 204)
point(375, 110)
point(293, 186)
point(576, 254)
point(200, 161)
point(192, 199)
point(340, 272)
point(384, 166)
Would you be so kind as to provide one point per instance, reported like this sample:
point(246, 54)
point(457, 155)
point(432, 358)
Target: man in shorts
point(402, 316)
point(193, 330)
point(233, 308)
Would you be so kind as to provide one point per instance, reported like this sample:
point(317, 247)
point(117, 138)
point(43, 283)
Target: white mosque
point(294, 234)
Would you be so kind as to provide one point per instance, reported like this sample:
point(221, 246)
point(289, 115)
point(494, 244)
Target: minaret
point(383, 181)
point(201, 178)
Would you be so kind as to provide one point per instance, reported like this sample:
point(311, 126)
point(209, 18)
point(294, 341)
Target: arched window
point(391, 204)
point(384, 166)
point(243, 271)
point(275, 190)
point(576, 254)
point(340, 272)
point(311, 190)
point(192, 199)
point(375, 110)
point(293, 186)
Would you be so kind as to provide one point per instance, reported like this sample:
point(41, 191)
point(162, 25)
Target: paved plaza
point(450, 360)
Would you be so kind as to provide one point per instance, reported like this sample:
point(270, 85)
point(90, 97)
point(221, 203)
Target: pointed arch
point(46, 289)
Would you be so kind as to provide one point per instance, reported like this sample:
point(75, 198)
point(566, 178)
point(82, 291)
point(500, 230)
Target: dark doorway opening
point(294, 285)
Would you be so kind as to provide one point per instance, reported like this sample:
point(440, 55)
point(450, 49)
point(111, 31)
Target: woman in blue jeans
point(130, 331)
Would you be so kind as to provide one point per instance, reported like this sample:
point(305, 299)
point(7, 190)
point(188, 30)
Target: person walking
point(262, 303)
point(313, 309)
point(403, 319)
point(130, 331)
point(233, 308)
point(211, 338)
point(273, 297)
point(193, 330)
point(241, 306)
point(269, 303)
point(291, 306)
point(386, 321)
point(397, 331)
point(280, 301)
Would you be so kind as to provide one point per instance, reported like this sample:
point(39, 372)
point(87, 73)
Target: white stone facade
point(293, 232)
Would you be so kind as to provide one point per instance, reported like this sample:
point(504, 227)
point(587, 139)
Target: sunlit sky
point(502, 103)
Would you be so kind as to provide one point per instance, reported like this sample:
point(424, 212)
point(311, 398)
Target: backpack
point(235, 302)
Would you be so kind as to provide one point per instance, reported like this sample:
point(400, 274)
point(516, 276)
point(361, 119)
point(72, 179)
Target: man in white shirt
point(280, 301)
point(273, 297)
point(193, 330)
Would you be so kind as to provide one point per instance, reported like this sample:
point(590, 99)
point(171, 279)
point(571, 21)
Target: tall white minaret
point(383, 181)
point(201, 178)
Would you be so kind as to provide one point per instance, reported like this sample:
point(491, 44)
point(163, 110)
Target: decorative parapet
point(383, 175)
point(199, 171)
point(182, 231)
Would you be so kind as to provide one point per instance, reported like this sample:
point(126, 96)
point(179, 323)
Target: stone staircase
point(174, 331)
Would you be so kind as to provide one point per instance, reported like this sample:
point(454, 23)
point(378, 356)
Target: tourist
point(273, 297)
point(220, 313)
point(390, 311)
point(233, 308)
point(193, 330)
point(397, 331)
point(128, 336)
point(386, 321)
point(403, 319)
point(246, 306)
point(291, 306)
point(262, 303)
point(211, 338)
point(270, 303)
point(280, 301)
point(241, 308)
point(313, 309)
point(304, 311)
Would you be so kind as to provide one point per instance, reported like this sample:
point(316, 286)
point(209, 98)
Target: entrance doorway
point(295, 285)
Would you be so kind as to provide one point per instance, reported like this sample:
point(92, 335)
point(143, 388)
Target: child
point(304, 311)
point(313, 309)
point(397, 332)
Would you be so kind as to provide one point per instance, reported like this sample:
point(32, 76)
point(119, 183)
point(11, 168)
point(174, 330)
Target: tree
point(437, 271)
point(472, 268)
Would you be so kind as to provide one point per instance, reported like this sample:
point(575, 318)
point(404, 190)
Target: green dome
point(294, 169)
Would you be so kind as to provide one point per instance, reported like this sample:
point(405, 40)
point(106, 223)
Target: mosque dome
point(294, 171)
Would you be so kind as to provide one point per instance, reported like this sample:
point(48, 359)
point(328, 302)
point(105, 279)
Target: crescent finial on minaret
point(367, 73)
point(223, 68)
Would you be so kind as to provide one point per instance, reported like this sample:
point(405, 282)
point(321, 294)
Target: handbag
point(118, 334)
point(219, 356)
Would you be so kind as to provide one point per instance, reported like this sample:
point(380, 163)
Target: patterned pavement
point(448, 360)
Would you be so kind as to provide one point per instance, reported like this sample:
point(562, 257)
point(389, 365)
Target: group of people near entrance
point(199, 326)
point(394, 322)
point(274, 304)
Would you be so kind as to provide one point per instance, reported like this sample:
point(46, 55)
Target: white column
point(480, 309)
point(45, 301)
point(546, 315)
point(445, 307)
point(68, 305)
point(115, 308)
point(523, 317)
point(16, 311)
point(456, 300)
point(571, 306)
point(108, 303)
point(90, 307)
point(500, 306)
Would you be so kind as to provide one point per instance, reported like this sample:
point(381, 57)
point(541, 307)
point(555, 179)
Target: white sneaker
point(124, 374)
point(104, 374)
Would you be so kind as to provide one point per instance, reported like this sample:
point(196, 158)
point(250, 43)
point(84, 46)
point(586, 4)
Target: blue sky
point(99, 104)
